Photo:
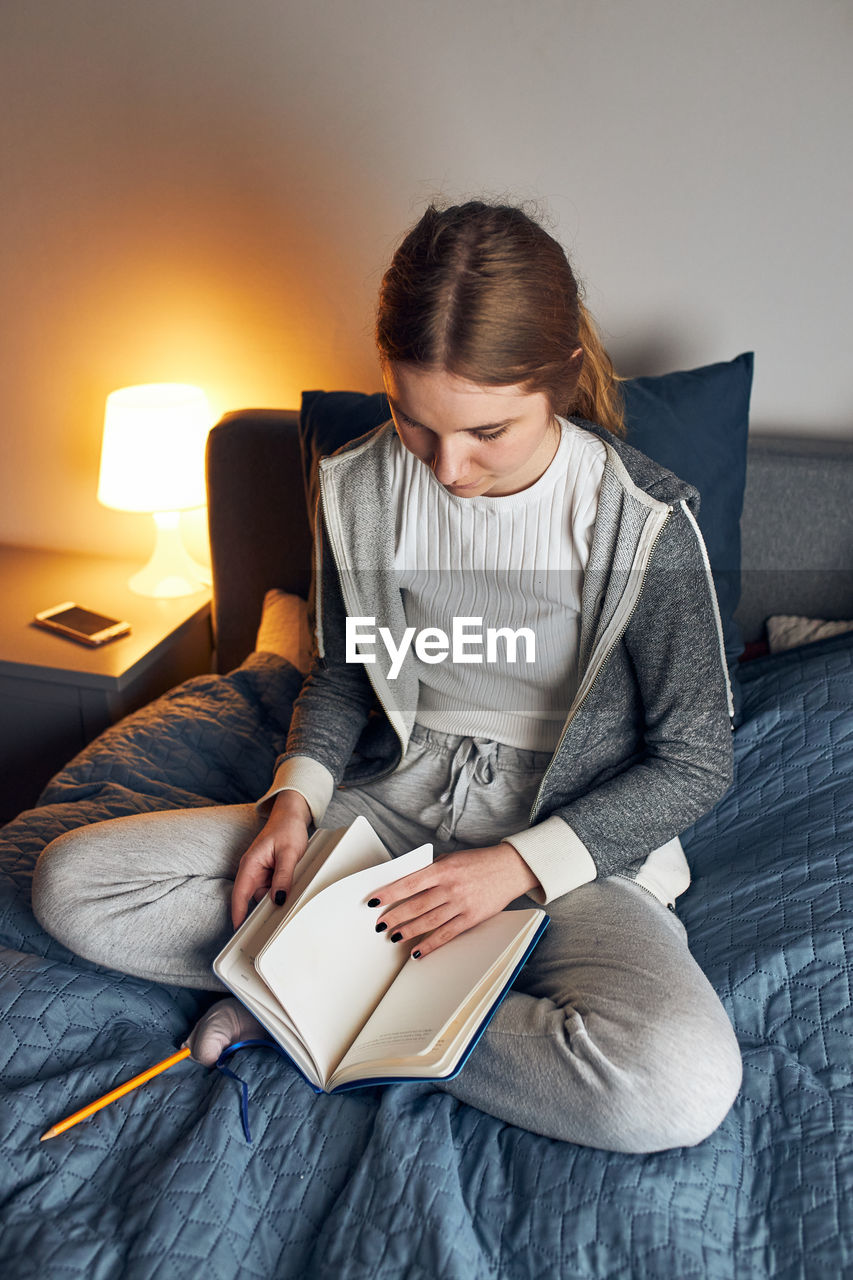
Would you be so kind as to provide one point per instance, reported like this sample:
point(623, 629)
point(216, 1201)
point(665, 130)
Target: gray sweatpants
point(611, 1037)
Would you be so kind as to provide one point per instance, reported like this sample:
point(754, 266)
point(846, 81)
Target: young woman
point(501, 493)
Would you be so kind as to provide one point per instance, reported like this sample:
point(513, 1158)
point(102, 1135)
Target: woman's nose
point(448, 462)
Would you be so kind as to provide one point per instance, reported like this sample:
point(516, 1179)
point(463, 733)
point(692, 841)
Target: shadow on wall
point(657, 350)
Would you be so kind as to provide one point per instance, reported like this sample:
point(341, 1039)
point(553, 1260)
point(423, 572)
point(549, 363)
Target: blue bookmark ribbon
point(244, 1088)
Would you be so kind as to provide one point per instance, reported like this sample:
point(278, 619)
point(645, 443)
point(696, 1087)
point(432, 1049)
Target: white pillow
point(786, 631)
point(284, 629)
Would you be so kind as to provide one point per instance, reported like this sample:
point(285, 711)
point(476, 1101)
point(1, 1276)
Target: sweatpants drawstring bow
point(473, 759)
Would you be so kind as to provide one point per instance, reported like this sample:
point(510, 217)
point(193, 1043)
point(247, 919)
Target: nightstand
point(56, 695)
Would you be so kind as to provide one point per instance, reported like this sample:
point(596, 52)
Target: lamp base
point(171, 571)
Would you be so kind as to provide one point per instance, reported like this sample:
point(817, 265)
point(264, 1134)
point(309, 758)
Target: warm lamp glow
point(152, 460)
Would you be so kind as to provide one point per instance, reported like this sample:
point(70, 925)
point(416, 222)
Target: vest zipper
point(573, 710)
point(392, 719)
point(318, 578)
point(618, 875)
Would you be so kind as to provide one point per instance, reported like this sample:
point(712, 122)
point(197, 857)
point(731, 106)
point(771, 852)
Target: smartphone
point(82, 625)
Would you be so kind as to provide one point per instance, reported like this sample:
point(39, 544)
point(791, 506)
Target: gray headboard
point(796, 531)
point(797, 526)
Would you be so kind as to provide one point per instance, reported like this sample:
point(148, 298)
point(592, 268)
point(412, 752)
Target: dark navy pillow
point(329, 419)
point(694, 422)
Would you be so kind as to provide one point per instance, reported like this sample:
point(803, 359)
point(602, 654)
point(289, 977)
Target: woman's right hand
point(269, 862)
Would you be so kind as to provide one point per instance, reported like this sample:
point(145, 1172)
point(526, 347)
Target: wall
point(207, 191)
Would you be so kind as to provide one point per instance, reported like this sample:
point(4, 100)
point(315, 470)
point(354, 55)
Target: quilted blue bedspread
point(404, 1181)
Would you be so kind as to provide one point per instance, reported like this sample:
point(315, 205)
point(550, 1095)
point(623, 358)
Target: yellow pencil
point(122, 1089)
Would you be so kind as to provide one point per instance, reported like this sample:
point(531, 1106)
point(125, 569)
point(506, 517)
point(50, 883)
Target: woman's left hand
point(452, 894)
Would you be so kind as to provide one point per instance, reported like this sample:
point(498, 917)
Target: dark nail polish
point(416, 955)
point(395, 937)
point(382, 925)
point(280, 897)
point(374, 902)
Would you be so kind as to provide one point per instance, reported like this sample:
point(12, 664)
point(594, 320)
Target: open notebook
point(349, 1006)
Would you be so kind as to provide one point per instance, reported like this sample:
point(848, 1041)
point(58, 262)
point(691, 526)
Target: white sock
point(223, 1024)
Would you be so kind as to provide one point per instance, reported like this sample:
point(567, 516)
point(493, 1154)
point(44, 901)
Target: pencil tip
point(44, 1137)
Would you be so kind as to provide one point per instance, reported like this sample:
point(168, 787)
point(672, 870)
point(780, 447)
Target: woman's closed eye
point(478, 435)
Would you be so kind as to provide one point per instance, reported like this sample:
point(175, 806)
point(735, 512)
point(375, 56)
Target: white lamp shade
point(152, 456)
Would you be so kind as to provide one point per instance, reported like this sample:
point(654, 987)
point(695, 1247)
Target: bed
point(404, 1181)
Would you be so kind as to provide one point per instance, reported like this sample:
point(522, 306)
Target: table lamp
point(152, 460)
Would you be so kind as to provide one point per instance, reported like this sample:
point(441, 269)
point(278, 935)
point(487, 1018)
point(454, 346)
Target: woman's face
point(477, 440)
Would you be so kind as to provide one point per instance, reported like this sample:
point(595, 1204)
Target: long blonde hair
point(483, 291)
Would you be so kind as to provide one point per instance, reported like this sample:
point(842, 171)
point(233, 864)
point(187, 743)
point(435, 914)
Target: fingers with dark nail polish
point(280, 897)
point(416, 955)
point(374, 902)
point(395, 937)
point(382, 925)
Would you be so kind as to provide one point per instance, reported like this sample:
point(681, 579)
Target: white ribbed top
point(516, 561)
